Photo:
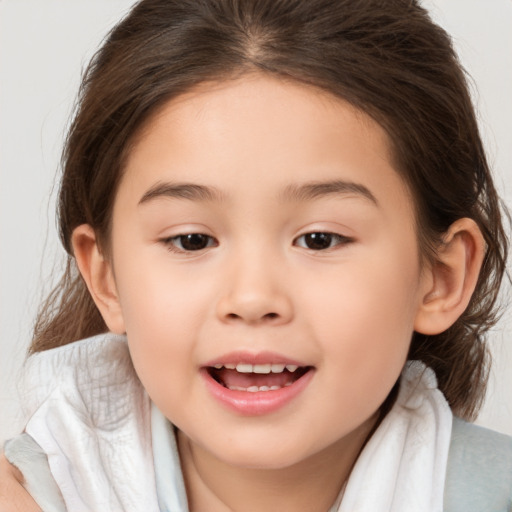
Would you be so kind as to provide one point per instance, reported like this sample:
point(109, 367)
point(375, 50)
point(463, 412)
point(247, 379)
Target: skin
point(257, 289)
point(347, 311)
point(13, 497)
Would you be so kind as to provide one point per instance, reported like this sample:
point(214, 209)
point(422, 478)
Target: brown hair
point(385, 57)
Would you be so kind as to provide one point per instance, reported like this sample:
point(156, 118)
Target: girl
point(285, 248)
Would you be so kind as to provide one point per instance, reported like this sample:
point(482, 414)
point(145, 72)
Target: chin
point(260, 454)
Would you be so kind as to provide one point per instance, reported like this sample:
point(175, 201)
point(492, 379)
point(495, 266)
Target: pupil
point(318, 241)
point(194, 242)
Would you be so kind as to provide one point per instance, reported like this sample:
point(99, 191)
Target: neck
point(312, 484)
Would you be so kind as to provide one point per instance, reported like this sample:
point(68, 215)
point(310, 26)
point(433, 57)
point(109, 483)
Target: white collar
point(89, 413)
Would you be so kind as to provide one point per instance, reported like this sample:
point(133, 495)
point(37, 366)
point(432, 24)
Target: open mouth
point(256, 377)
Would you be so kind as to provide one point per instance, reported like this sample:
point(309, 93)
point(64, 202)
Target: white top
point(103, 438)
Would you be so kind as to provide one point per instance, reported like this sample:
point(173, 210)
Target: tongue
point(246, 380)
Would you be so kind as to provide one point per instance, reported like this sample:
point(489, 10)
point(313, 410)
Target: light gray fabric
point(479, 477)
point(24, 453)
point(479, 473)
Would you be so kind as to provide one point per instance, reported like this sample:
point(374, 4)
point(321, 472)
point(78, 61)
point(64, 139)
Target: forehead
point(236, 134)
point(280, 105)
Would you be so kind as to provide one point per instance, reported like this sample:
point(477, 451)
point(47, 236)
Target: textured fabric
point(24, 453)
point(484, 454)
point(90, 415)
point(105, 442)
point(403, 466)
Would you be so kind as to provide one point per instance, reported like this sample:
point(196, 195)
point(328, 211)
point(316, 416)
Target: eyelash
point(322, 236)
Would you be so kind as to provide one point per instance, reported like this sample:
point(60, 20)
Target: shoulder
point(479, 471)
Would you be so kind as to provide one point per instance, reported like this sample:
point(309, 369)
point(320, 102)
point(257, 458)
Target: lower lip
point(256, 403)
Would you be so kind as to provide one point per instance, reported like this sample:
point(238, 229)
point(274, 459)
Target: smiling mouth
point(258, 377)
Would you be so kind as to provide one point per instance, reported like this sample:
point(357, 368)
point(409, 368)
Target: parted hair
point(385, 57)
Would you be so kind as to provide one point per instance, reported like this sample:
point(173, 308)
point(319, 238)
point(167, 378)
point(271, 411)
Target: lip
point(246, 403)
point(251, 358)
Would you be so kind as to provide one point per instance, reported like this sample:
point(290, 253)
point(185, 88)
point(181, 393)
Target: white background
point(43, 47)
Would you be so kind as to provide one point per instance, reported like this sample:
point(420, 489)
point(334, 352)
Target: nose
point(255, 291)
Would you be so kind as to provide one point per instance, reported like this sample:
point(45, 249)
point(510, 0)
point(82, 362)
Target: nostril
point(267, 316)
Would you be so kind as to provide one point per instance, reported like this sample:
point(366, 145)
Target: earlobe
point(452, 278)
point(98, 275)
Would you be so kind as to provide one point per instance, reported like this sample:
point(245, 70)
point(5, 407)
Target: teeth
point(254, 389)
point(257, 368)
point(262, 368)
point(243, 368)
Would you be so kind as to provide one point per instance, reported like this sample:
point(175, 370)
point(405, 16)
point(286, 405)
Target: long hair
point(386, 58)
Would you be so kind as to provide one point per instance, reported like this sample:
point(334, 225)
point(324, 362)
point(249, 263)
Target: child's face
point(302, 251)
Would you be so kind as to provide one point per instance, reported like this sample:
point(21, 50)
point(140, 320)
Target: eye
point(189, 242)
point(320, 241)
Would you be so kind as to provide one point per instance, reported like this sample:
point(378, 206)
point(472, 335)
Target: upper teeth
point(257, 368)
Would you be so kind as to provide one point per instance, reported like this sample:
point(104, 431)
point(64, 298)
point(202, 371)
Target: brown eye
point(194, 241)
point(190, 242)
point(321, 241)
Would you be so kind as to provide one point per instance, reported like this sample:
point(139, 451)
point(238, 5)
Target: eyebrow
point(319, 189)
point(303, 192)
point(189, 191)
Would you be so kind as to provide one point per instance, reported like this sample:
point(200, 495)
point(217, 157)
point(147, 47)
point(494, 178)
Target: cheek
point(364, 319)
point(156, 296)
point(162, 311)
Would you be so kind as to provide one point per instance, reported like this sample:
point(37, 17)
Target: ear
point(98, 275)
point(451, 280)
